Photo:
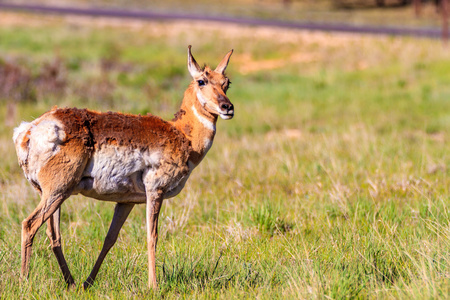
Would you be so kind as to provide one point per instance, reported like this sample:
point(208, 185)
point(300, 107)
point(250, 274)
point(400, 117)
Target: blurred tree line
point(370, 3)
point(381, 3)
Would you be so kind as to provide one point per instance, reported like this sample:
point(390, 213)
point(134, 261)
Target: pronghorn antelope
point(118, 157)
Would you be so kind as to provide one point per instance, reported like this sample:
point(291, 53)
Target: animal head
point(210, 86)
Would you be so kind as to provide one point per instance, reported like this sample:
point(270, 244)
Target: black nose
point(227, 106)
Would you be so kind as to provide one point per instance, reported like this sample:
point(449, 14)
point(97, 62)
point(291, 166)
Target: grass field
point(332, 181)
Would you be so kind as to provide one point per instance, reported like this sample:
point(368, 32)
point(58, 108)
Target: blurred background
point(376, 12)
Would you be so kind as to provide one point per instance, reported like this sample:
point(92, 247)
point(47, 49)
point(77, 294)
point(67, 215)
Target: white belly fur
point(117, 170)
point(120, 174)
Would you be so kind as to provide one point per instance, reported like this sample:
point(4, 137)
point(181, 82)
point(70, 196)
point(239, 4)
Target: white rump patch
point(19, 135)
point(44, 140)
point(23, 127)
point(46, 136)
point(207, 123)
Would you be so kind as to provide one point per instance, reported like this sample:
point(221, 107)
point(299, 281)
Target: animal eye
point(201, 83)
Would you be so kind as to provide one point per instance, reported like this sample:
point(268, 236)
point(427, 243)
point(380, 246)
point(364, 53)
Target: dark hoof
point(71, 286)
point(87, 284)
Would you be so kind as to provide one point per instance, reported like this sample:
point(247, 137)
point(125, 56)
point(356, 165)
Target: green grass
point(332, 180)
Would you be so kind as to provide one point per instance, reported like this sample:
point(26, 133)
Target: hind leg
point(46, 208)
point(54, 234)
point(56, 180)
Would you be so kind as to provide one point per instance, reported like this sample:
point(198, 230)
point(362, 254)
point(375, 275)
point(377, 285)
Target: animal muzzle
point(226, 109)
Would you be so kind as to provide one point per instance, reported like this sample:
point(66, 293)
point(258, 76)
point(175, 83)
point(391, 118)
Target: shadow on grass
point(184, 275)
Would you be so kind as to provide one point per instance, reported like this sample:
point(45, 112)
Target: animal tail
point(21, 140)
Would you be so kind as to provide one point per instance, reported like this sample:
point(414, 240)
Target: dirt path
point(149, 15)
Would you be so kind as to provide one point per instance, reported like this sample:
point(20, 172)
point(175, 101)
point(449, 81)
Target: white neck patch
point(208, 144)
point(207, 123)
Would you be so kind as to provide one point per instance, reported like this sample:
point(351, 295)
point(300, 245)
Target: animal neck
point(198, 125)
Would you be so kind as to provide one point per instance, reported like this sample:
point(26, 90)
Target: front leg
point(154, 202)
point(121, 212)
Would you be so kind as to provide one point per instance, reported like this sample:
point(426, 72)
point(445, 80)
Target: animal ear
point(224, 63)
point(193, 66)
